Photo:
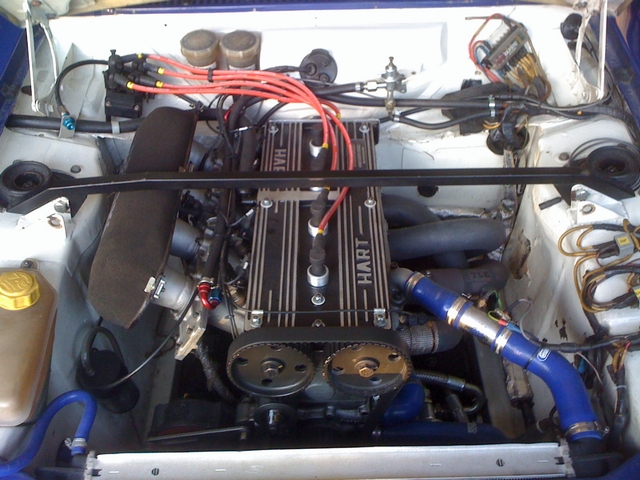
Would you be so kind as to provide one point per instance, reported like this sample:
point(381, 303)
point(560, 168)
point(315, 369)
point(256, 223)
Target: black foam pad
point(137, 235)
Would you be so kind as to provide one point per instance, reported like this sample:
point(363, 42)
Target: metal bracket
point(191, 330)
point(255, 319)
point(35, 15)
point(589, 206)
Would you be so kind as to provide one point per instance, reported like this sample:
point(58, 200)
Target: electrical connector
point(625, 244)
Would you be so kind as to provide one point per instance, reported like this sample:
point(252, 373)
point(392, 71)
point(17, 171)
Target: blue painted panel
point(13, 66)
point(624, 67)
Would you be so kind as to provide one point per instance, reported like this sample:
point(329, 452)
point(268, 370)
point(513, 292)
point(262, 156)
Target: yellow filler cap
point(18, 290)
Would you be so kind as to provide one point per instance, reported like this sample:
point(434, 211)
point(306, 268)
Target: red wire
point(267, 85)
point(350, 166)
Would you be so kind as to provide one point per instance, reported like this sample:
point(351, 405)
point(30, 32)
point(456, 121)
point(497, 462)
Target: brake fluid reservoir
point(27, 317)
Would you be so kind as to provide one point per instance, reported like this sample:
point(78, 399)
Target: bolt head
point(366, 367)
point(318, 299)
point(266, 203)
point(370, 203)
point(581, 194)
point(271, 367)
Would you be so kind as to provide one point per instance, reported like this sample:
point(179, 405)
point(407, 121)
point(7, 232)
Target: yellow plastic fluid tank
point(27, 319)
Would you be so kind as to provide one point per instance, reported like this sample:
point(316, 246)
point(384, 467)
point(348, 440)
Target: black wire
point(265, 118)
point(65, 72)
point(441, 125)
point(175, 328)
point(222, 125)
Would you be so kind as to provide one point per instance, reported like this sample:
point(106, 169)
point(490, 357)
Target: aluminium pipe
point(577, 418)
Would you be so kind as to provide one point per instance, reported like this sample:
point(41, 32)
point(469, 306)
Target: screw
point(564, 156)
point(588, 208)
point(271, 368)
point(370, 203)
point(256, 321)
point(581, 194)
point(76, 169)
point(500, 462)
point(380, 320)
point(366, 368)
point(273, 129)
point(266, 203)
point(364, 128)
point(317, 323)
point(61, 205)
point(318, 299)
point(155, 472)
point(28, 263)
point(107, 103)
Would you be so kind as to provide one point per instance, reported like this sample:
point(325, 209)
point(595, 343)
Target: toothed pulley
point(272, 370)
point(367, 369)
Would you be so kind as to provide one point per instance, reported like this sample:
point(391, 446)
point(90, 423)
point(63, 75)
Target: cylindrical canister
point(200, 48)
point(27, 318)
point(241, 50)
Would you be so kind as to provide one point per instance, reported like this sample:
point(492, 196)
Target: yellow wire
point(569, 232)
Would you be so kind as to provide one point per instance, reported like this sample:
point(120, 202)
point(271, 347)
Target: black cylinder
point(404, 212)
point(467, 234)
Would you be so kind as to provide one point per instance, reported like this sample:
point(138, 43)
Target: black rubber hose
point(489, 276)
point(337, 89)
point(455, 384)
point(220, 233)
point(432, 337)
point(249, 145)
point(404, 212)
point(82, 126)
point(467, 234)
point(65, 72)
point(439, 126)
point(407, 102)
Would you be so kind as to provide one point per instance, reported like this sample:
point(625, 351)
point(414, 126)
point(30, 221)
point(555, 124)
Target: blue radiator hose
point(577, 418)
point(37, 435)
point(567, 388)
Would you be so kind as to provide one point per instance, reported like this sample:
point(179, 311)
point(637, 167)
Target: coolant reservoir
point(27, 318)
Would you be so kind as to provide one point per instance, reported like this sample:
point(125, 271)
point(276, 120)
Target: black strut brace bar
point(337, 178)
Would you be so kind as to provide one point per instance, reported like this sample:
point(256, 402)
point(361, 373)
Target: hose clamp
point(79, 442)
point(501, 340)
point(492, 106)
point(455, 309)
point(412, 282)
point(581, 427)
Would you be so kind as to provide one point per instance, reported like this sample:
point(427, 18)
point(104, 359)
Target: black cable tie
point(210, 75)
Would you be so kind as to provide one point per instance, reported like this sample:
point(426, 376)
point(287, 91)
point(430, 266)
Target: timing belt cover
point(137, 235)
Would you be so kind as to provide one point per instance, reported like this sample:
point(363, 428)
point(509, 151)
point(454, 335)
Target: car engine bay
point(320, 243)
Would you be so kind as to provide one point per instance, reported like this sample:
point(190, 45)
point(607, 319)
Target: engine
point(238, 241)
point(301, 294)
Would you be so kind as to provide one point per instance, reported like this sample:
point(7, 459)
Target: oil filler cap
point(18, 290)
